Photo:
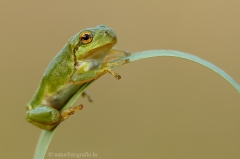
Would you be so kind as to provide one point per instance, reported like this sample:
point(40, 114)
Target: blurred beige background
point(161, 108)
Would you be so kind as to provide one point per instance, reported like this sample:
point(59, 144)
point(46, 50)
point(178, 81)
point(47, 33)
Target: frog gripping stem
point(118, 63)
point(112, 65)
point(69, 111)
point(87, 56)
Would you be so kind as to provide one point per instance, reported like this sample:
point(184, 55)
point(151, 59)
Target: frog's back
point(55, 78)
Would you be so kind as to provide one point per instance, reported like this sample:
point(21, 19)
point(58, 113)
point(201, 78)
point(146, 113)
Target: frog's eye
point(86, 37)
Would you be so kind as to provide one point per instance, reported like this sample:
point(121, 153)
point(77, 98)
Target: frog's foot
point(85, 94)
point(109, 66)
point(109, 70)
point(117, 63)
point(69, 111)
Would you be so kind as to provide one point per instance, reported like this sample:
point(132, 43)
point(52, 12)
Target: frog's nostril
point(105, 32)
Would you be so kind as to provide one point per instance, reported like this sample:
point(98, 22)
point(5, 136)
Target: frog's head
point(92, 43)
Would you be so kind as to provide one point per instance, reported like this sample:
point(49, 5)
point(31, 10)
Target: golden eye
point(86, 37)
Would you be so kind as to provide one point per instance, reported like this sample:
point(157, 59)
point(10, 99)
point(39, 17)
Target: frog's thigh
point(43, 115)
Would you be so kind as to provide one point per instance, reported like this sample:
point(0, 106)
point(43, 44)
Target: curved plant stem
point(46, 136)
point(172, 53)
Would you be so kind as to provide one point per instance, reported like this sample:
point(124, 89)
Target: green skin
point(76, 64)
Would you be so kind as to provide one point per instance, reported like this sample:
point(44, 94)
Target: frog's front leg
point(114, 55)
point(82, 76)
point(46, 117)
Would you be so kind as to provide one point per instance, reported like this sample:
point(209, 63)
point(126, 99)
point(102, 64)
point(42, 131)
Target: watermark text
point(72, 154)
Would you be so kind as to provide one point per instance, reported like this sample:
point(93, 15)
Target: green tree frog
point(87, 56)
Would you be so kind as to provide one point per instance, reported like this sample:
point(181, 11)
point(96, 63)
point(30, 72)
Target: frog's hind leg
point(47, 117)
point(44, 117)
point(85, 94)
point(69, 111)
